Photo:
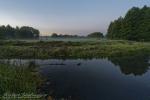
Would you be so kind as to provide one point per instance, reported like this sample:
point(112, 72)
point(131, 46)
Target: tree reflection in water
point(136, 65)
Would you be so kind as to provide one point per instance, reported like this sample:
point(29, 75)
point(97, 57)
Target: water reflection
point(136, 65)
point(96, 79)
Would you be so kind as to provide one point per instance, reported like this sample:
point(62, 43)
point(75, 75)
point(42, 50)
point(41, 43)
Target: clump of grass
point(18, 80)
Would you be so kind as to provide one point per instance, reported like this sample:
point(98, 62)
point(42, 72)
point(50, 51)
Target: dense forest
point(24, 32)
point(134, 26)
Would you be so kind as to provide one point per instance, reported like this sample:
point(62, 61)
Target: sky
point(65, 16)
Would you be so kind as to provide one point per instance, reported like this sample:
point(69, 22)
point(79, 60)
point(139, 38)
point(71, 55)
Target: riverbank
point(60, 49)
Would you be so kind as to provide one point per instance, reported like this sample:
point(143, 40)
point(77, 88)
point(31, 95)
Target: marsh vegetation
point(60, 49)
point(18, 79)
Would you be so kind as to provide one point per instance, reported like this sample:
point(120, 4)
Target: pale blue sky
point(65, 16)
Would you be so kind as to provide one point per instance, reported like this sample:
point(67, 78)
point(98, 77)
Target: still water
point(118, 78)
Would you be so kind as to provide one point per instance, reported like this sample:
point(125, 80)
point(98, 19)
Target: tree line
point(91, 35)
point(24, 32)
point(134, 26)
point(55, 35)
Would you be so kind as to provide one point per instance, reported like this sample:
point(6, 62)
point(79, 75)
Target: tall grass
point(18, 80)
